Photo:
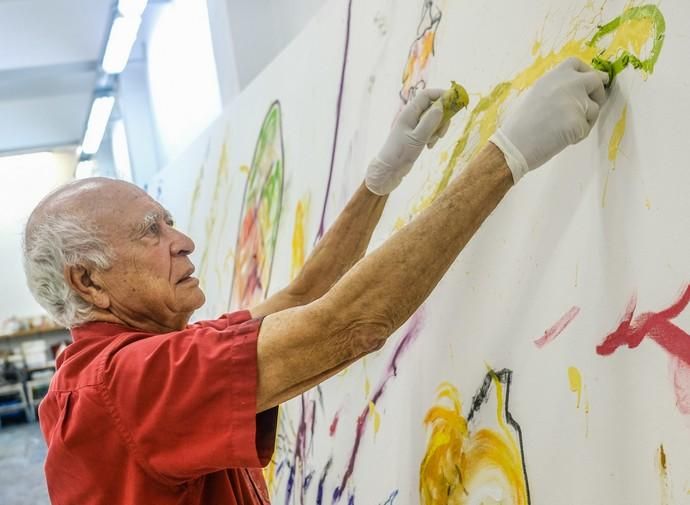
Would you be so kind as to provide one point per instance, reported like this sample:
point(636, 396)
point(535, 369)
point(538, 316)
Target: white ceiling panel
point(36, 33)
point(43, 121)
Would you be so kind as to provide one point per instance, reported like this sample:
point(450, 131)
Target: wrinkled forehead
point(122, 213)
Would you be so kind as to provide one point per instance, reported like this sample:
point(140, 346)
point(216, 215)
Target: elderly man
point(146, 409)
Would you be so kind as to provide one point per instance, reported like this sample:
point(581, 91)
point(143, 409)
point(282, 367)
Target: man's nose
point(182, 245)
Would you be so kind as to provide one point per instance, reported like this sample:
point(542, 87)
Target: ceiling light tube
point(97, 123)
point(132, 8)
point(122, 36)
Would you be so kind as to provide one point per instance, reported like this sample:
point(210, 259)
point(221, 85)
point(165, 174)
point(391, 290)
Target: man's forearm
point(383, 290)
point(341, 247)
point(302, 346)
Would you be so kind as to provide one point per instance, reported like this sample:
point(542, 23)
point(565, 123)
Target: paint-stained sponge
point(453, 100)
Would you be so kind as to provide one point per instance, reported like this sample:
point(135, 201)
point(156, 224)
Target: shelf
point(35, 334)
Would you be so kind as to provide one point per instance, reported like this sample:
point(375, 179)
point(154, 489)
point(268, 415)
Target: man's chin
point(199, 298)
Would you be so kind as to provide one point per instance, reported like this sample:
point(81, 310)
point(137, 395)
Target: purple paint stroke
point(391, 498)
point(391, 371)
point(338, 109)
point(301, 445)
point(322, 481)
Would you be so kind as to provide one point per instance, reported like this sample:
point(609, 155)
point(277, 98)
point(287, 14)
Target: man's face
point(150, 280)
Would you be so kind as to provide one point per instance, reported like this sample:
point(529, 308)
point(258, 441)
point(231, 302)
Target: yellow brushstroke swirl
point(464, 466)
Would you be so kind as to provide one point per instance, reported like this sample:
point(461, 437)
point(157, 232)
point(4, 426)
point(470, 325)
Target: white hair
point(51, 245)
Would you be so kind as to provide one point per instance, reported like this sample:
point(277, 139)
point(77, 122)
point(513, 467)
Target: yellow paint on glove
point(453, 100)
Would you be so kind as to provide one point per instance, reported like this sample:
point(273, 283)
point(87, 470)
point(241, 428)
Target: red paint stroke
point(658, 327)
point(681, 384)
point(334, 424)
point(551, 334)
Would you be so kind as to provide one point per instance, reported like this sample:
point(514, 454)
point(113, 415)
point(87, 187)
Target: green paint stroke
point(260, 213)
point(624, 58)
point(266, 179)
point(501, 91)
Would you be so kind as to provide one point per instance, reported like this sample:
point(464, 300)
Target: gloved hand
point(559, 110)
point(415, 127)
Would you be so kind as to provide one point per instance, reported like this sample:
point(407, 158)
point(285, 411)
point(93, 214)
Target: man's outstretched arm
point(381, 291)
point(300, 347)
point(341, 247)
point(348, 238)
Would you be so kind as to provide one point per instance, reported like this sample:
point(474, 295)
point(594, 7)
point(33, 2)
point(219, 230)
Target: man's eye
point(154, 229)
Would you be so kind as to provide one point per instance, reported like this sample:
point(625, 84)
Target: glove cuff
point(381, 178)
point(514, 158)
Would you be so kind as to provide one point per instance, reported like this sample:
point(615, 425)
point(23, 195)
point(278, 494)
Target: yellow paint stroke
point(617, 136)
point(244, 169)
point(465, 466)
point(298, 237)
point(662, 467)
point(614, 149)
point(587, 408)
point(627, 36)
point(575, 380)
point(648, 203)
point(197, 190)
point(270, 470)
point(604, 192)
point(375, 415)
point(536, 47)
point(270, 476)
point(219, 197)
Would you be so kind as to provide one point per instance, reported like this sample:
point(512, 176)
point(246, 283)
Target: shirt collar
point(99, 329)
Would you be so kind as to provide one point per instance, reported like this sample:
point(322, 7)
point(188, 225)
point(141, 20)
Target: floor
point(22, 451)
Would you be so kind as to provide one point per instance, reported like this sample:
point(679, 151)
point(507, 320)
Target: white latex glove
point(560, 109)
point(415, 127)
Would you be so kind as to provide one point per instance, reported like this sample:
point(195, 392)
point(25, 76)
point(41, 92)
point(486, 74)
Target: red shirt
point(138, 418)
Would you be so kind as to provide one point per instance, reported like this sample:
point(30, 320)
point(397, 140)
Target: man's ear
point(79, 278)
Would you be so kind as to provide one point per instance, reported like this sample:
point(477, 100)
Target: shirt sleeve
point(186, 401)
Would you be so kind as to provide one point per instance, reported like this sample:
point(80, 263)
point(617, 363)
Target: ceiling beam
point(49, 80)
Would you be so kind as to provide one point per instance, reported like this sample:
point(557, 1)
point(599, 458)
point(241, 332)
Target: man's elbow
point(366, 335)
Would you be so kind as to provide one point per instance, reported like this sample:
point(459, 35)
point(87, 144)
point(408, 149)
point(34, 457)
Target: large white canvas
point(568, 251)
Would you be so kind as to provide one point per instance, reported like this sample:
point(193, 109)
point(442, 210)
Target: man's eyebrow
point(152, 217)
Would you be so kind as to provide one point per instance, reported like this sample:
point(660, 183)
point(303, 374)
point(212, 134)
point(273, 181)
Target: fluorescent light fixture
point(122, 36)
point(132, 8)
point(98, 121)
point(123, 166)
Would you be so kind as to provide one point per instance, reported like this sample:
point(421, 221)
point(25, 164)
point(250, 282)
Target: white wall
point(262, 28)
point(24, 180)
point(223, 50)
point(183, 83)
point(134, 106)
